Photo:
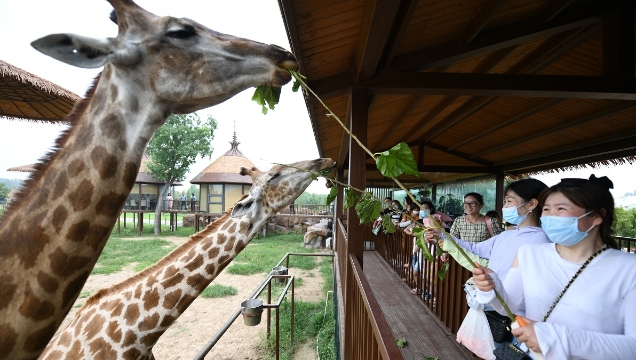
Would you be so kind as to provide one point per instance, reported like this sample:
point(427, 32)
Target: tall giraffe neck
point(127, 319)
point(53, 235)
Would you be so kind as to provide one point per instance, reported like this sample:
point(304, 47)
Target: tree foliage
point(174, 147)
point(625, 222)
point(4, 190)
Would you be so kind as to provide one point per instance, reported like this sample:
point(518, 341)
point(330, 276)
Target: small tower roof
point(226, 169)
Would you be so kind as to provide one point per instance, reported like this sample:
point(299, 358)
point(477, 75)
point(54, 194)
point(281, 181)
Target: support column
point(357, 168)
point(618, 42)
point(499, 195)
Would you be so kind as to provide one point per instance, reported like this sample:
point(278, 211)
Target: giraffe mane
point(175, 254)
point(43, 163)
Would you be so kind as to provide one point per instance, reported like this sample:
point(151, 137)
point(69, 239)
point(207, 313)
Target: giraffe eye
point(274, 176)
point(183, 33)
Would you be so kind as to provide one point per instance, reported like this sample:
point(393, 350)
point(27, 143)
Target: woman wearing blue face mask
point(579, 292)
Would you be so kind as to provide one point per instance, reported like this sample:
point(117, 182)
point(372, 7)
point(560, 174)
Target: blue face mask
point(511, 215)
point(564, 230)
point(423, 214)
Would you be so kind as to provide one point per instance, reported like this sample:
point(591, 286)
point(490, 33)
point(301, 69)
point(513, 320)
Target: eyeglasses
point(471, 204)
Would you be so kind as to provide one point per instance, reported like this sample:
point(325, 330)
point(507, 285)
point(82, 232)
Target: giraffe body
point(52, 236)
point(126, 320)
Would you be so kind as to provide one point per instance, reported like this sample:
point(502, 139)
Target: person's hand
point(526, 334)
point(432, 235)
point(482, 279)
point(444, 257)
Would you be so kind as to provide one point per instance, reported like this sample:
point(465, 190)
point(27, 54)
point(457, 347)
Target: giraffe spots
point(198, 282)
point(114, 91)
point(76, 352)
point(85, 134)
point(225, 226)
point(114, 332)
point(80, 198)
point(170, 271)
point(132, 354)
point(150, 339)
point(132, 103)
point(38, 339)
point(112, 127)
point(104, 162)
point(73, 289)
point(221, 239)
point(65, 339)
point(94, 326)
point(106, 74)
point(101, 349)
point(59, 217)
point(110, 204)
point(77, 232)
point(184, 303)
point(138, 291)
point(167, 321)
point(151, 299)
point(60, 185)
point(8, 338)
point(196, 263)
point(240, 246)
point(26, 243)
point(97, 236)
point(224, 260)
point(213, 253)
point(129, 339)
point(172, 281)
point(47, 282)
point(230, 244)
point(64, 265)
point(149, 322)
point(8, 290)
point(130, 174)
point(206, 246)
point(113, 306)
point(244, 226)
point(131, 314)
point(232, 229)
point(34, 308)
point(171, 299)
point(75, 168)
point(210, 268)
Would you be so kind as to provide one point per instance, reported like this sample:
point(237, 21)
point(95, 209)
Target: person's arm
point(452, 250)
point(481, 249)
point(510, 289)
point(558, 341)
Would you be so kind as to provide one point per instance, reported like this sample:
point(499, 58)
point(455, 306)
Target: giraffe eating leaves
point(155, 66)
point(126, 320)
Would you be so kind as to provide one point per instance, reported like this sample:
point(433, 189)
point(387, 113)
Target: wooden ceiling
point(472, 86)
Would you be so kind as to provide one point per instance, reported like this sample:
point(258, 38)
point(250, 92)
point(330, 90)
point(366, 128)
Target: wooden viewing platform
point(407, 317)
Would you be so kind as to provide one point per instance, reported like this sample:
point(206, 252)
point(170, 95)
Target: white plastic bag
point(474, 334)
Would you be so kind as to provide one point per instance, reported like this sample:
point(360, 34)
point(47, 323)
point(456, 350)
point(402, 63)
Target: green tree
point(4, 190)
point(174, 147)
point(625, 222)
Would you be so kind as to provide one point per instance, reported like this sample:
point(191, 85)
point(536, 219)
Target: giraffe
point(125, 320)
point(52, 236)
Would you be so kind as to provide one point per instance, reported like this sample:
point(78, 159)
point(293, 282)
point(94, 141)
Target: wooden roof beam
point(500, 37)
point(603, 113)
point(514, 85)
point(398, 121)
point(618, 42)
point(458, 154)
point(479, 21)
point(377, 23)
point(446, 168)
point(552, 9)
point(402, 21)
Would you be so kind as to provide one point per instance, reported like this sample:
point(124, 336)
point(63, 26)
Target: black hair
point(528, 189)
point(480, 199)
point(592, 195)
point(493, 214)
point(430, 206)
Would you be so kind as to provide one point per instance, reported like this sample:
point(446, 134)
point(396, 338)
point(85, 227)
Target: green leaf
point(333, 193)
point(368, 207)
point(400, 342)
point(421, 243)
point(442, 271)
point(296, 86)
point(266, 95)
point(397, 161)
point(350, 198)
point(387, 224)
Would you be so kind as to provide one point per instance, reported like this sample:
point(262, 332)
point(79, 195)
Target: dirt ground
point(205, 317)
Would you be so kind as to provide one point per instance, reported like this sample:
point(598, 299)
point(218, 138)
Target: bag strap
point(585, 264)
point(489, 225)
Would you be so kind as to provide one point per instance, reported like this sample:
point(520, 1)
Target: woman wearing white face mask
point(579, 291)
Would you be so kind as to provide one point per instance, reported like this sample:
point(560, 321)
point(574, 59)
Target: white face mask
point(564, 230)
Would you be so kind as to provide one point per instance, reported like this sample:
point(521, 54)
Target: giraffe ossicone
point(126, 320)
point(52, 236)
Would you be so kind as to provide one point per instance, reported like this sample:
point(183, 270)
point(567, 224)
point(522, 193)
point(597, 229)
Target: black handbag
point(499, 326)
point(509, 351)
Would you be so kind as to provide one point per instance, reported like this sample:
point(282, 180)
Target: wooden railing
point(446, 299)
point(366, 333)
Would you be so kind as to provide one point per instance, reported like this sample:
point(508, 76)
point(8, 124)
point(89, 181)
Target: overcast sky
point(282, 136)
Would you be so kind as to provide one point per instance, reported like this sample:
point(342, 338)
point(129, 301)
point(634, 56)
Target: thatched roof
point(29, 97)
point(226, 168)
point(23, 168)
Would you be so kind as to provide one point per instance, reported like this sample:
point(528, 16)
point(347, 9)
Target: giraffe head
point(186, 65)
point(274, 189)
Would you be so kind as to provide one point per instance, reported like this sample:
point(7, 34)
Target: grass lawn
point(314, 321)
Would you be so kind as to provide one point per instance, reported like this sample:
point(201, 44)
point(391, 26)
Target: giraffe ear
point(83, 52)
point(245, 171)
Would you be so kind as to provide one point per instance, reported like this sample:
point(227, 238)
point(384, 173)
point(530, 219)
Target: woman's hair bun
point(603, 180)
